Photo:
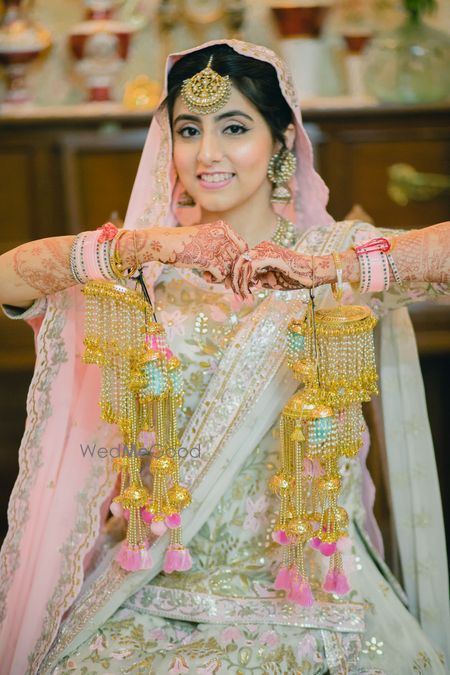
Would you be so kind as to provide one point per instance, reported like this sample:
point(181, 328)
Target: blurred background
point(79, 80)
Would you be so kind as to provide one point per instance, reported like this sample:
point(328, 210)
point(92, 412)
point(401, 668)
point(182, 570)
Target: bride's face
point(221, 159)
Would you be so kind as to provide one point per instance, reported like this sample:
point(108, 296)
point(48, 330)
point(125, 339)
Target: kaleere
point(141, 389)
point(331, 353)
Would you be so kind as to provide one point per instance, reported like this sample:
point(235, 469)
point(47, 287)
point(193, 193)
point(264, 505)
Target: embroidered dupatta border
point(159, 601)
point(283, 307)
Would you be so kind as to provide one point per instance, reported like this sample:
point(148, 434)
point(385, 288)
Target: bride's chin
point(217, 205)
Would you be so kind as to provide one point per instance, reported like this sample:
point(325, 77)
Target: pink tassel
point(168, 352)
point(116, 509)
point(173, 521)
point(158, 528)
point(126, 514)
point(177, 560)
point(280, 537)
point(327, 548)
point(329, 584)
point(133, 559)
point(316, 542)
point(301, 592)
point(146, 516)
point(342, 587)
point(283, 579)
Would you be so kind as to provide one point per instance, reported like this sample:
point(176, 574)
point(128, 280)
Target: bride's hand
point(273, 267)
point(211, 248)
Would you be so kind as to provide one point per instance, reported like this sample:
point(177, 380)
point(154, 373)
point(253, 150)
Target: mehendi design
point(214, 248)
point(424, 255)
point(209, 247)
point(44, 264)
point(279, 268)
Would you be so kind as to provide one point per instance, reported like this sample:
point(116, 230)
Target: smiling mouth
point(216, 179)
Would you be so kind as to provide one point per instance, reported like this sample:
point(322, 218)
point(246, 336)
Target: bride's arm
point(42, 267)
point(420, 256)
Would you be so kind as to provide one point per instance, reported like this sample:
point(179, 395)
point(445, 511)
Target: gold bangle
point(117, 265)
point(337, 288)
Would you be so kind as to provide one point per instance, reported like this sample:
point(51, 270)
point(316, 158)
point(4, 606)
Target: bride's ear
point(289, 136)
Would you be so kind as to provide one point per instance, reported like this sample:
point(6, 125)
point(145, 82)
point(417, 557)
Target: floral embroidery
point(255, 513)
point(373, 647)
point(173, 322)
point(230, 634)
point(269, 638)
point(421, 663)
point(179, 665)
point(307, 647)
point(98, 644)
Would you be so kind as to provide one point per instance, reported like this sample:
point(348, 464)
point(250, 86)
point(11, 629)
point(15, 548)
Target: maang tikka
point(207, 91)
point(281, 168)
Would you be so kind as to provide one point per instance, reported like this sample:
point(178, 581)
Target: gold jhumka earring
point(281, 168)
point(332, 353)
point(141, 389)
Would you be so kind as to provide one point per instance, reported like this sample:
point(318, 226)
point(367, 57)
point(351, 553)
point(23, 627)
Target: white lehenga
point(223, 616)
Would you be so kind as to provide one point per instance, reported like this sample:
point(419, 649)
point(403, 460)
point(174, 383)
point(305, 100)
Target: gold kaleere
point(331, 352)
point(141, 389)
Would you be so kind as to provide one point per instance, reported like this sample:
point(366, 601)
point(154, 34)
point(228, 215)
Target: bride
point(66, 605)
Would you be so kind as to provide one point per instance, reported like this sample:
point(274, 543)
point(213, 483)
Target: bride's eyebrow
point(225, 115)
point(186, 118)
point(233, 113)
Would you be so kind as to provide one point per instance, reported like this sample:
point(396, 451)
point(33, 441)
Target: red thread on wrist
point(378, 245)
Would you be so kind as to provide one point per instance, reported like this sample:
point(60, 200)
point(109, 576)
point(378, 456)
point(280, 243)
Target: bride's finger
point(244, 280)
point(208, 277)
point(235, 274)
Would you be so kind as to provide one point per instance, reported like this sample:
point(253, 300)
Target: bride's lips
point(216, 180)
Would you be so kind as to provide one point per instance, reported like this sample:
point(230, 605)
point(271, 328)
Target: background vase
point(300, 26)
point(409, 64)
point(21, 42)
point(100, 47)
point(356, 43)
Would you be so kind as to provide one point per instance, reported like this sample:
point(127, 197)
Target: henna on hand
point(213, 248)
point(35, 269)
point(279, 268)
point(424, 255)
point(210, 247)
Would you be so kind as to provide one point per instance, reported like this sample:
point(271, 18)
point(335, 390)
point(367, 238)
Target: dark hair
point(255, 79)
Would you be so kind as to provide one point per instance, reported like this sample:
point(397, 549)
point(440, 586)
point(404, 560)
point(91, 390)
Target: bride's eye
point(188, 132)
point(235, 129)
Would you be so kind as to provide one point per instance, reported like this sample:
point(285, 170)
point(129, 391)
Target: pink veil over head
point(61, 497)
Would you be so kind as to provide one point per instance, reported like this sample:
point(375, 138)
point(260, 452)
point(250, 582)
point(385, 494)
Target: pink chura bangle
point(90, 255)
point(374, 265)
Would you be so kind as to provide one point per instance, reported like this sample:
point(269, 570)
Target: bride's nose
point(210, 149)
